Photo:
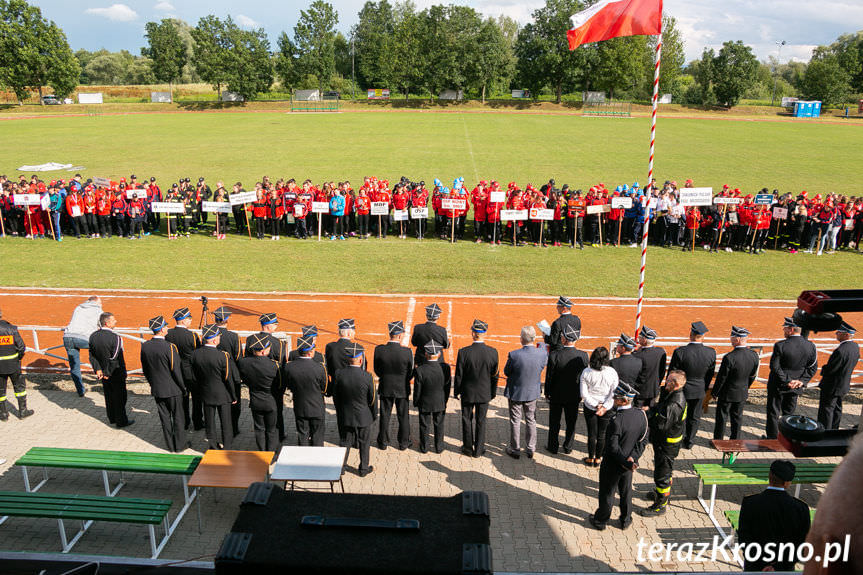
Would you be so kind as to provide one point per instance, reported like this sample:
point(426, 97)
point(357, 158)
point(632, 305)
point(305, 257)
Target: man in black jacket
point(431, 390)
point(12, 349)
point(667, 425)
point(187, 341)
point(259, 372)
point(109, 365)
point(334, 352)
point(627, 435)
point(563, 389)
point(428, 331)
point(229, 341)
point(566, 318)
point(393, 364)
point(627, 366)
point(698, 362)
point(278, 353)
point(792, 364)
point(836, 377)
point(355, 399)
point(476, 376)
point(773, 517)
point(736, 374)
point(215, 380)
point(160, 362)
point(307, 380)
point(310, 331)
point(653, 363)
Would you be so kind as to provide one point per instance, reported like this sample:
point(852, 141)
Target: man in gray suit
point(523, 369)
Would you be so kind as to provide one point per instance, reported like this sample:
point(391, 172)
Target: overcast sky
point(119, 24)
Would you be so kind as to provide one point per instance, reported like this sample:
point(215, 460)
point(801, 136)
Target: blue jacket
point(56, 204)
point(337, 205)
point(523, 369)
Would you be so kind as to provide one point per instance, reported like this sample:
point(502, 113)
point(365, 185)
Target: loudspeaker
point(307, 532)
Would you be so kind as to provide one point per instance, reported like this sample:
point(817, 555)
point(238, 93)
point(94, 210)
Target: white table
point(320, 464)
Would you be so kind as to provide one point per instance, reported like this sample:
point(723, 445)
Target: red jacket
point(74, 201)
point(364, 205)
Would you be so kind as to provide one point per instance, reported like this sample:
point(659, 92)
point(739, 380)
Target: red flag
point(614, 18)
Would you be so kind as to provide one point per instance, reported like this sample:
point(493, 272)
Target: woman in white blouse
point(598, 382)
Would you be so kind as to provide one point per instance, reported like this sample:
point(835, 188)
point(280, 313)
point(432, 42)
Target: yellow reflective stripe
point(2, 399)
point(685, 407)
point(22, 394)
point(663, 491)
point(674, 439)
point(13, 356)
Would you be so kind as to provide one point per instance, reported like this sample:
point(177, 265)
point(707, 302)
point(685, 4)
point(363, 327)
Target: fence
point(608, 109)
point(325, 105)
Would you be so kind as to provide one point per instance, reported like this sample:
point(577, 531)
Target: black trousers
point(301, 228)
point(310, 430)
point(596, 427)
point(694, 409)
point(403, 415)
point(420, 225)
point(18, 384)
point(260, 227)
point(104, 225)
point(196, 417)
point(362, 224)
point(120, 225)
point(266, 436)
point(473, 417)
point(429, 420)
point(79, 226)
point(724, 411)
point(664, 454)
point(830, 410)
point(614, 480)
point(570, 414)
point(361, 438)
point(173, 425)
point(236, 408)
point(279, 396)
point(219, 432)
point(337, 225)
point(778, 404)
point(115, 399)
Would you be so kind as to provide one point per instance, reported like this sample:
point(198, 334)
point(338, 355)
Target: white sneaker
point(808, 252)
point(819, 253)
point(729, 250)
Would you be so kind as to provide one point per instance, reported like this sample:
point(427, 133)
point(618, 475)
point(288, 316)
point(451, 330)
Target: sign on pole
point(718, 200)
point(400, 215)
point(541, 214)
point(238, 198)
point(780, 213)
point(764, 199)
point(102, 182)
point(696, 196)
point(167, 208)
point(497, 197)
point(419, 213)
point(453, 204)
point(598, 209)
point(621, 203)
point(216, 207)
point(320, 208)
point(380, 208)
point(27, 199)
point(513, 215)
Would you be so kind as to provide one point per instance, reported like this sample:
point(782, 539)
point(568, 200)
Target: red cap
point(688, 181)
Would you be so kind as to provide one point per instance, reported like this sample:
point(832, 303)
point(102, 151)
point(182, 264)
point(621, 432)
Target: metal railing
point(610, 108)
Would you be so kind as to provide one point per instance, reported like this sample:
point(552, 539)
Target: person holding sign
point(419, 201)
point(492, 214)
point(221, 217)
point(302, 208)
point(75, 210)
point(400, 202)
point(337, 213)
point(260, 209)
point(275, 211)
point(363, 206)
point(479, 199)
point(118, 212)
point(136, 212)
point(55, 209)
point(575, 207)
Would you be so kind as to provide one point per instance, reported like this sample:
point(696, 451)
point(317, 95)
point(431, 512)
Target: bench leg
point(67, 545)
point(107, 484)
point(797, 490)
point(27, 479)
point(189, 495)
point(708, 508)
point(342, 483)
point(169, 530)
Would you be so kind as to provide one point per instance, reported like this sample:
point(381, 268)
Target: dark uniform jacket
point(625, 438)
point(106, 353)
point(424, 333)
point(260, 375)
point(432, 382)
point(793, 358)
point(668, 417)
point(186, 341)
point(563, 375)
point(476, 373)
point(277, 349)
point(699, 363)
point(557, 327)
point(307, 380)
point(653, 362)
point(317, 357)
point(628, 368)
point(160, 362)
point(12, 348)
point(836, 373)
point(736, 373)
point(212, 369)
point(336, 358)
point(393, 365)
point(230, 342)
point(772, 516)
point(354, 396)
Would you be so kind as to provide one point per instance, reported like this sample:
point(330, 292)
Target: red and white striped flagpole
point(649, 188)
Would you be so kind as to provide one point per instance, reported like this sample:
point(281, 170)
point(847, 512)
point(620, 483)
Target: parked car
point(331, 95)
point(51, 101)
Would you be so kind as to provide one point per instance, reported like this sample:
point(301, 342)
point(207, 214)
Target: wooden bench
point(733, 517)
point(731, 448)
point(714, 474)
point(87, 509)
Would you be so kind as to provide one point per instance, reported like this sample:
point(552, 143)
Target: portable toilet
point(816, 109)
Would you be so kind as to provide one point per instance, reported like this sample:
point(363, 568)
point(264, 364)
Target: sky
point(762, 24)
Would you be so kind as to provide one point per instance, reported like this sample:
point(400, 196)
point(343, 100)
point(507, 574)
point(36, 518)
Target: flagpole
point(649, 189)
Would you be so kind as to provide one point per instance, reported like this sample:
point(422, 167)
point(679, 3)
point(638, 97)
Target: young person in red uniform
point(383, 195)
point(275, 211)
point(401, 199)
point(90, 211)
point(75, 210)
point(419, 199)
point(516, 202)
point(260, 211)
point(136, 212)
point(479, 199)
point(575, 208)
point(761, 224)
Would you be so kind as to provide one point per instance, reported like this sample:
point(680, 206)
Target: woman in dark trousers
point(598, 383)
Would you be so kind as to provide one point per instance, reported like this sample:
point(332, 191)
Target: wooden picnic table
point(732, 447)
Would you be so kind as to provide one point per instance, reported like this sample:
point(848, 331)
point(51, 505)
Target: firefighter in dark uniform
point(792, 364)
point(667, 425)
point(230, 342)
point(736, 374)
point(215, 381)
point(278, 353)
point(306, 377)
point(836, 377)
point(563, 390)
point(186, 342)
point(653, 363)
point(310, 331)
point(336, 358)
point(428, 331)
point(627, 366)
point(355, 400)
point(260, 374)
point(698, 362)
point(564, 309)
point(476, 376)
point(161, 364)
point(432, 383)
point(394, 365)
point(12, 350)
point(626, 438)
point(109, 365)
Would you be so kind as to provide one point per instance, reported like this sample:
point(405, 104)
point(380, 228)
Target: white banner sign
point(621, 203)
point(541, 214)
point(167, 207)
point(780, 213)
point(380, 208)
point(27, 199)
point(320, 207)
point(720, 200)
point(453, 204)
point(400, 215)
point(299, 210)
point(419, 213)
point(238, 198)
point(598, 209)
point(136, 192)
point(45, 203)
point(497, 197)
point(217, 207)
point(102, 182)
point(696, 196)
point(510, 215)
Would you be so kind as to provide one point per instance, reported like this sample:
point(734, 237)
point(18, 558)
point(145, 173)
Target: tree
point(734, 72)
point(826, 80)
point(213, 50)
point(673, 59)
point(286, 62)
point(106, 68)
point(848, 49)
point(493, 61)
point(409, 61)
point(342, 50)
point(448, 36)
point(621, 64)
point(374, 40)
point(250, 67)
point(315, 37)
point(167, 50)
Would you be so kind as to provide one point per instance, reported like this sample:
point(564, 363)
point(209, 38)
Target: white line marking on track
point(470, 150)
point(409, 320)
point(449, 331)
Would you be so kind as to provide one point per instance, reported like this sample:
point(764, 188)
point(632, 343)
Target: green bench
point(87, 509)
point(714, 475)
point(734, 517)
